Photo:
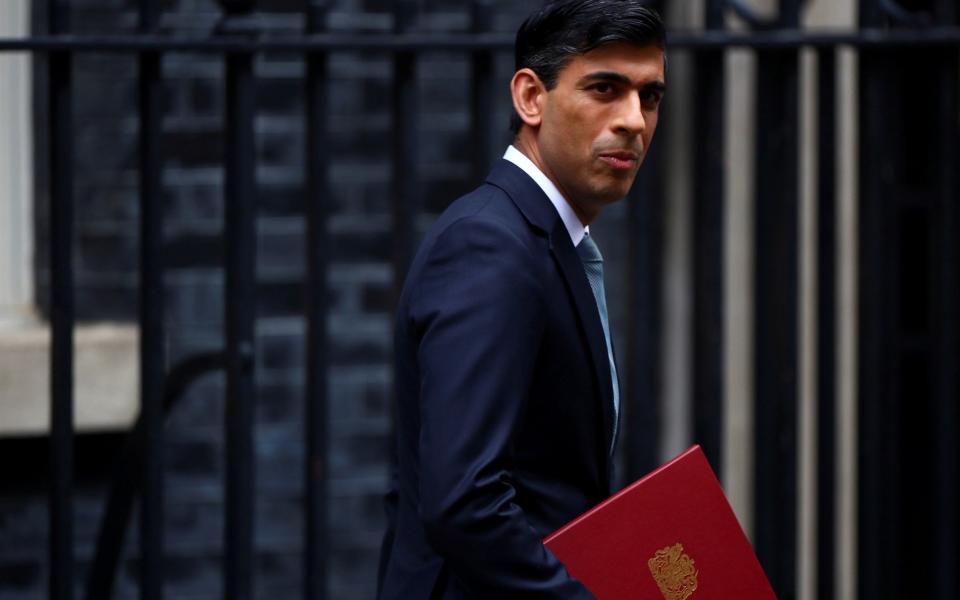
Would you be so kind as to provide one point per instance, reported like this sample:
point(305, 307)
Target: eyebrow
point(614, 77)
point(611, 76)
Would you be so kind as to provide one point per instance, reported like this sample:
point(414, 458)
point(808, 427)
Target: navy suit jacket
point(505, 414)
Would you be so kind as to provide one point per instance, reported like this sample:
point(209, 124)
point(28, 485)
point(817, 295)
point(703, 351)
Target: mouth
point(621, 159)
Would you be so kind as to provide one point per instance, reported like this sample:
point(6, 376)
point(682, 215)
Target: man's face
point(598, 121)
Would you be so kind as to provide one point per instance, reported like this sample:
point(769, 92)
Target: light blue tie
point(593, 266)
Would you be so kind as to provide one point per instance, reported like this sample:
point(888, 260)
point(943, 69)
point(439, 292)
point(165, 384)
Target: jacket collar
point(526, 194)
point(569, 216)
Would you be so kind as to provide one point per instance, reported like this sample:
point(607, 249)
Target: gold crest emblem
point(674, 572)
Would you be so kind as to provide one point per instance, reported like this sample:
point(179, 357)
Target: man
point(507, 393)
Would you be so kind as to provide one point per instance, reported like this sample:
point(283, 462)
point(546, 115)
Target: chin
point(608, 196)
point(614, 193)
point(616, 188)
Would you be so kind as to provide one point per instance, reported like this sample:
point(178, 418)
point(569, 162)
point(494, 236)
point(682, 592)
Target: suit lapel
point(572, 270)
point(540, 213)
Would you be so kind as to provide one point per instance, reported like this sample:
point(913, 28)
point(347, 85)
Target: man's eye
point(602, 88)
point(651, 98)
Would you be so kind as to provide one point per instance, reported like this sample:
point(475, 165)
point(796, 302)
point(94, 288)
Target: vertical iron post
point(708, 242)
point(875, 444)
point(240, 224)
point(405, 156)
point(641, 402)
point(151, 313)
point(946, 269)
point(317, 199)
point(60, 67)
point(482, 99)
point(879, 434)
point(826, 320)
point(947, 385)
point(776, 320)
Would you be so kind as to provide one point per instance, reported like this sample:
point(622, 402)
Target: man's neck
point(571, 222)
point(527, 144)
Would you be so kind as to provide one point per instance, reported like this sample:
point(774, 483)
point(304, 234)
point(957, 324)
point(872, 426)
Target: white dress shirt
point(575, 228)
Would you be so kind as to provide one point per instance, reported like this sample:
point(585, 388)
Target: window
point(16, 165)
point(106, 354)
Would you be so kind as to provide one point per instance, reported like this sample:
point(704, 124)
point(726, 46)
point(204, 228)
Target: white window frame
point(16, 170)
point(106, 382)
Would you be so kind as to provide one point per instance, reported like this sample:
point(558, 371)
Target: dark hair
point(562, 29)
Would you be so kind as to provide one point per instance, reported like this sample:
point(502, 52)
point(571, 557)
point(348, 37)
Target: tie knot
point(588, 250)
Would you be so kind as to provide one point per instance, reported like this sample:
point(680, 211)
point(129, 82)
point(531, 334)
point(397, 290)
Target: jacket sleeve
point(478, 312)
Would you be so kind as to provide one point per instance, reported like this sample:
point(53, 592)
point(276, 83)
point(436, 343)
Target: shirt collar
point(570, 219)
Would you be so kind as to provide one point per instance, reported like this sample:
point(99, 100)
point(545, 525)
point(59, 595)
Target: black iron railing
point(777, 44)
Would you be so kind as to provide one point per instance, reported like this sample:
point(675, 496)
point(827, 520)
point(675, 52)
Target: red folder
point(670, 535)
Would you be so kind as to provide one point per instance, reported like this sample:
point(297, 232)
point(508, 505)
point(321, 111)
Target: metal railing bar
point(151, 312)
point(239, 201)
point(645, 241)
point(776, 317)
point(946, 269)
point(483, 95)
point(404, 162)
point(708, 247)
point(874, 373)
point(60, 80)
point(239, 205)
point(314, 43)
point(317, 198)
point(126, 483)
point(826, 321)
point(422, 42)
point(404, 152)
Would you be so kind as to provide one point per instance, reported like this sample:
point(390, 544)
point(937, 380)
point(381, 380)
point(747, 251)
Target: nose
point(630, 119)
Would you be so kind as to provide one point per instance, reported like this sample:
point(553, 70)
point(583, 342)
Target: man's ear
point(528, 94)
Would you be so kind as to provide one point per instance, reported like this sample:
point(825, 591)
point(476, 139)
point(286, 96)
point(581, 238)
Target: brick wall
point(360, 280)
